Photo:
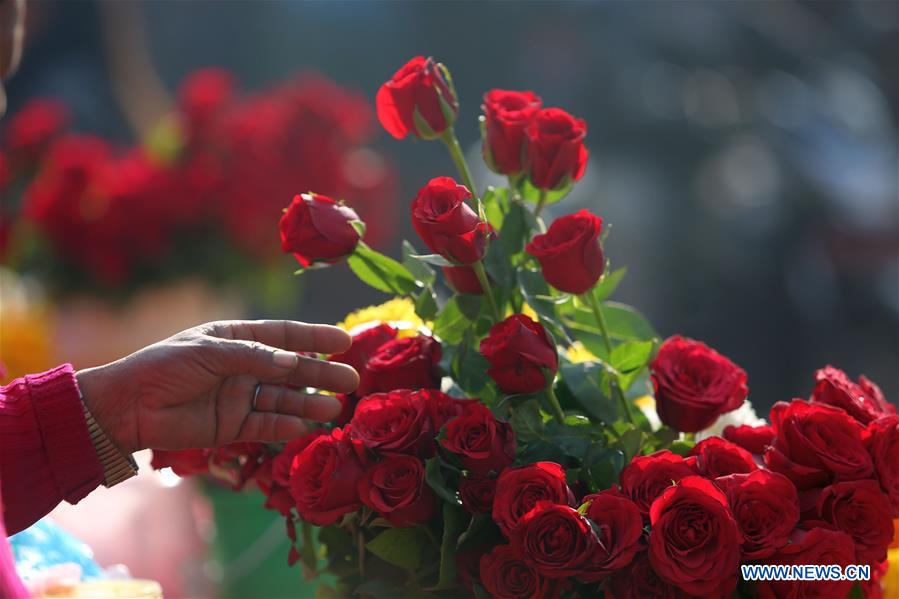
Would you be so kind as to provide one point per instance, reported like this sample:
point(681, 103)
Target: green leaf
point(399, 546)
point(629, 359)
point(359, 226)
point(601, 466)
point(515, 229)
point(499, 266)
point(608, 284)
point(451, 324)
point(469, 368)
point(436, 480)
point(426, 304)
point(573, 436)
point(470, 305)
point(528, 422)
point(420, 270)
point(455, 521)
point(624, 322)
point(583, 381)
point(432, 259)
point(381, 272)
point(533, 287)
point(681, 447)
point(495, 206)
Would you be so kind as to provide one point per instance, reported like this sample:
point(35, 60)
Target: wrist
point(102, 399)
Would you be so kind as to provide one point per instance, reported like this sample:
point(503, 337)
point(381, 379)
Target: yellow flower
point(400, 312)
point(25, 337)
point(891, 578)
point(577, 353)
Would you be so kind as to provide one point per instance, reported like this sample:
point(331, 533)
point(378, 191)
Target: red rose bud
point(482, 443)
point(648, 476)
point(418, 99)
point(463, 279)
point(323, 479)
point(477, 494)
point(816, 546)
point(619, 527)
point(766, 507)
point(570, 253)
point(860, 509)
point(394, 422)
point(555, 539)
point(448, 225)
point(518, 490)
point(863, 401)
point(315, 228)
point(556, 155)
point(506, 116)
point(395, 488)
point(521, 353)
point(506, 575)
point(695, 543)
point(885, 452)
point(694, 384)
point(716, 457)
point(816, 444)
point(754, 439)
point(406, 363)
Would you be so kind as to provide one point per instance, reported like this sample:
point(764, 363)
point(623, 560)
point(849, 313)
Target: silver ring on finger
point(256, 395)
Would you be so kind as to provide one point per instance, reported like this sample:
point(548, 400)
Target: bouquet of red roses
point(527, 437)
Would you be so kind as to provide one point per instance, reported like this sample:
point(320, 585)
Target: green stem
point(478, 268)
point(449, 139)
point(541, 203)
point(554, 402)
point(607, 341)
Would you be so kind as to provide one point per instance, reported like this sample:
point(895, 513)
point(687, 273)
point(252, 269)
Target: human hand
point(197, 388)
point(12, 30)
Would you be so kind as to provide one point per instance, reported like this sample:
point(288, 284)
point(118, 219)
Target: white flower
point(745, 414)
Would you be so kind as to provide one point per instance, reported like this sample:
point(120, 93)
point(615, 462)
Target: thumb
point(263, 362)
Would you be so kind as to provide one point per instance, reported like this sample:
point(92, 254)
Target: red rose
point(556, 155)
point(365, 344)
point(463, 280)
point(407, 363)
point(618, 525)
point(518, 490)
point(716, 457)
point(395, 488)
point(273, 476)
point(817, 546)
point(885, 452)
point(648, 476)
point(481, 442)
point(766, 507)
point(30, 130)
point(863, 401)
point(569, 253)
point(694, 384)
point(283, 461)
point(183, 462)
point(816, 444)
point(477, 494)
point(323, 479)
point(442, 407)
point(421, 86)
point(753, 439)
point(506, 116)
point(315, 228)
point(396, 422)
point(640, 581)
point(201, 98)
point(695, 543)
point(522, 355)
point(505, 575)
point(860, 509)
point(556, 540)
point(448, 225)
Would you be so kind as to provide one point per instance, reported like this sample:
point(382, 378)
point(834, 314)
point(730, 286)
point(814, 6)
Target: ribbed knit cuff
point(60, 415)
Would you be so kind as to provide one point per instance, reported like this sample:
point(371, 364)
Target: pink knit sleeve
point(46, 453)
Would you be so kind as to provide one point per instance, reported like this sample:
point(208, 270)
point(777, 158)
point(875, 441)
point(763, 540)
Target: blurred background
point(744, 152)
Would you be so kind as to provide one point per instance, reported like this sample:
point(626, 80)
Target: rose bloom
point(463, 279)
point(447, 224)
point(518, 490)
point(569, 253)
point(885, 453)
point(406, 363)
point(556, 540)
point(640, 581)
point(442, 407)
point(396, 489)
point(477, 493)
point(521, 353)
point(506, 116)
point(694, 384)
point(816, 546)
point(816, 444)
point(695, 543)
point(420, 86)
point(481, 442)
point(618, 525)
point(716, 457)
point(365, 344)
point(397, 422)
point(863, 401)
point(860, 509)
point(315, 228)
point(556, 155)
point(754, 439)
point(505, 575)
point(275, 483)
point(323, 479)
point(648, 476)
point(31, 129)
point(766, 507)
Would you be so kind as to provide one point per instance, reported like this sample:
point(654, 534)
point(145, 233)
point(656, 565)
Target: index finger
point(287, 334)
